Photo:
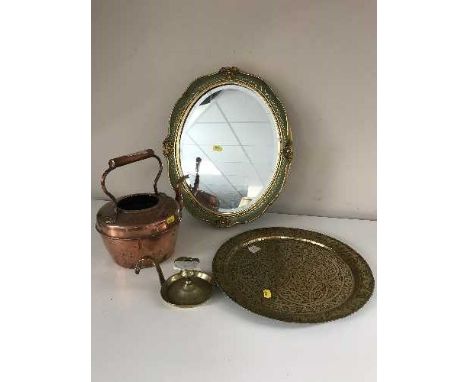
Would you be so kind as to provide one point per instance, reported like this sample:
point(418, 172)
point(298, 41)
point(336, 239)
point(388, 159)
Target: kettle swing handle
point(135, 157)
point(127, 159)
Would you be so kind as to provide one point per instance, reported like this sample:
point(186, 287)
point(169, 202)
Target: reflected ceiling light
point(253, 191)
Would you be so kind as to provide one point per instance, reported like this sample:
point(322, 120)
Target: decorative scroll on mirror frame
point(171, 145)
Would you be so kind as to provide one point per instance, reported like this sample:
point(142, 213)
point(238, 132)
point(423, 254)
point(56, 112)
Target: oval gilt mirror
point(229, 135)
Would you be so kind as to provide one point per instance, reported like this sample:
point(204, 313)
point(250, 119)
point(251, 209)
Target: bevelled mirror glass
point(230, 139)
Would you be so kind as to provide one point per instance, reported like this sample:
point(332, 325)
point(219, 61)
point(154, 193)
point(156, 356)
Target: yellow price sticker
point(267, 293)
point(217, 148)
point(170, 219)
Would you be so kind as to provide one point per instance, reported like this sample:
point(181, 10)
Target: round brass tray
point(293, 275)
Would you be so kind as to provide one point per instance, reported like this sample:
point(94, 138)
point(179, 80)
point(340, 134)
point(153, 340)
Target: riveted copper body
point(139, 225)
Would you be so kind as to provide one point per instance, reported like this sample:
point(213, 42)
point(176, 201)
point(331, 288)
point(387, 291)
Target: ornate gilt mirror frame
point(171, 149)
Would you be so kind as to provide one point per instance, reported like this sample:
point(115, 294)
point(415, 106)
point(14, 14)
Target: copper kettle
point(139, 225)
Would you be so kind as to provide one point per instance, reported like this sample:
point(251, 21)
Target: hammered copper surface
point(293, 275)
point(128, 224)
point(126, 252)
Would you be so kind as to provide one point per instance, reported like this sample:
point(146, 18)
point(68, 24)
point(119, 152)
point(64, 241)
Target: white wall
point(319, 57)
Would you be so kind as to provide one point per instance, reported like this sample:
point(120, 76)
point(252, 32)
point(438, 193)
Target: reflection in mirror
point(229, 148)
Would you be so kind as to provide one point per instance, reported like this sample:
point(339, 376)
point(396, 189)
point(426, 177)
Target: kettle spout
point(144, 259)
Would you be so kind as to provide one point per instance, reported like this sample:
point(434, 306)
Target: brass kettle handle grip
point(162, 280)
point(127, 159)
